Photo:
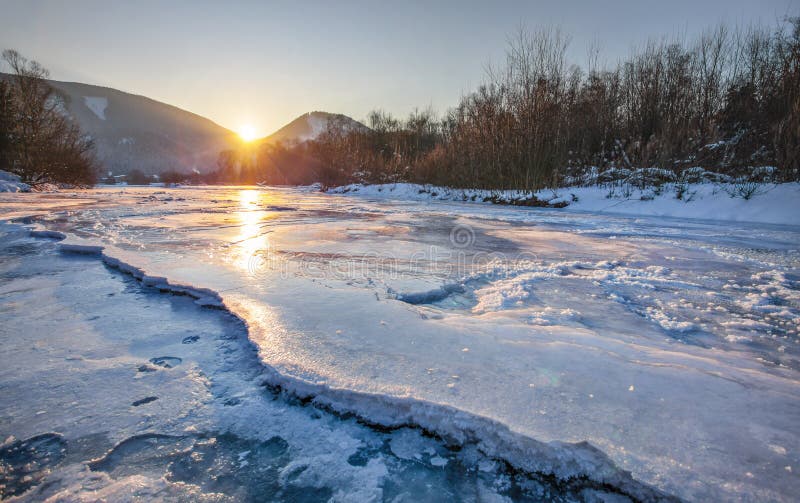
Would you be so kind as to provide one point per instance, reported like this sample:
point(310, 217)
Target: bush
point(744, 188)
point(172, 177)
point(137, 177)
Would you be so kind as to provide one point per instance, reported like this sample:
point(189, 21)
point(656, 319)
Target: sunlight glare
point(252, 241)
point(248, 132)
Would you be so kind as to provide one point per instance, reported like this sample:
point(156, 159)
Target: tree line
point(38, 139)
point(726, 101)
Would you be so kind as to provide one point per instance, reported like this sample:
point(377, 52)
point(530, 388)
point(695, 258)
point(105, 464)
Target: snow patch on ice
point(505, 293)
point(552, 316)
point(774, 293)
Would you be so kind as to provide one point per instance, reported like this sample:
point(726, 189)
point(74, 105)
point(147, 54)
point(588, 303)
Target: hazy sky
point(263, 63)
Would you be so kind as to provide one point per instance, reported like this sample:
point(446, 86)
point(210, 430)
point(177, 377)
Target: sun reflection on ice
point(252, 241)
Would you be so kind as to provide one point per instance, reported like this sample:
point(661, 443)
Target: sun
point(248, 132)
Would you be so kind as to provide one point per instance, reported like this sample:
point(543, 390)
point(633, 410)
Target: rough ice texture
point(565, 342)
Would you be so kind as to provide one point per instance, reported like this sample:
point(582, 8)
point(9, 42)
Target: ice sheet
point(114, 390)
point(671, 346)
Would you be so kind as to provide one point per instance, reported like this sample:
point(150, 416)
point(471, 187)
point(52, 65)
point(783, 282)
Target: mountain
point(309, 126)
point(133, 131)
point(136, 132)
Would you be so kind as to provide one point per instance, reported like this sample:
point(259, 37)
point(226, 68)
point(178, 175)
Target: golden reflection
point(252, 243)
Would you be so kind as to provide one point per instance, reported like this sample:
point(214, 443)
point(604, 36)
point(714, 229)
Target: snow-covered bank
point(769, 203)
point(12, 183)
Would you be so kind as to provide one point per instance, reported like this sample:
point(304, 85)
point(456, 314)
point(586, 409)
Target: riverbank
point(765, 203)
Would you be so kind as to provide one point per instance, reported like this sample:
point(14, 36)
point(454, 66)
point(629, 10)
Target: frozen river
point(565, 343)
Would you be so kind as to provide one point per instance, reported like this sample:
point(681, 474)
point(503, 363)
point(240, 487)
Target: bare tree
point(8, 117)
point(48, 145)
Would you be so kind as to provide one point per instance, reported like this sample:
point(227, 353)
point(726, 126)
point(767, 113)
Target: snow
point(317, 125)
point(776, 204)
point(12, 183)
point(97, 105)
point(596, 343)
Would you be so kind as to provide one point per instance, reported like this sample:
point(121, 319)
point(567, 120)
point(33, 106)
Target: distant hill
point(133, 131)
point(309, 126)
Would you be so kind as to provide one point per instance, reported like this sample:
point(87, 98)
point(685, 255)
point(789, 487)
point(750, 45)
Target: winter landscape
point(579, 283)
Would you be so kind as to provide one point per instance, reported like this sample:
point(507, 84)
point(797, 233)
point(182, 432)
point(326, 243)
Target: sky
point(260, 64)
